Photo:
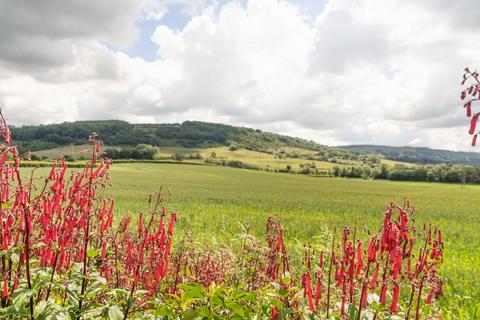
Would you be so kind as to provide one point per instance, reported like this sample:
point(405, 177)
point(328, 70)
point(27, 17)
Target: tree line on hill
point(188, 134)
point(417, 154)
point(427, 173)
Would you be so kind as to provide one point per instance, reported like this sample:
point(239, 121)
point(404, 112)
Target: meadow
point(216, 205)
point(212, 201)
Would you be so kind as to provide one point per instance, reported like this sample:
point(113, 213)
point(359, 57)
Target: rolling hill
point(417, 154)
point(189, 134)
point(197, 136)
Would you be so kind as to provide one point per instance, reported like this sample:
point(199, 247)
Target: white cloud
point(363, 71)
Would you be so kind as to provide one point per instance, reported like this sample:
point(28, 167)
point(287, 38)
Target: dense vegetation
point(400, 172)
point(417, 154)
point(120, 133)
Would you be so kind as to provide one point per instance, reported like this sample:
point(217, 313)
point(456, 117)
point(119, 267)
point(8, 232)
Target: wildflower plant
point(470, 95)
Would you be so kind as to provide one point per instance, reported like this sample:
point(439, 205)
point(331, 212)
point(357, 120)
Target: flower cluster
point(471, 94)
point(67, 223)
point(383, 266)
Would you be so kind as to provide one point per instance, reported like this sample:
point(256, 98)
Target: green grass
point(74, 151)
point(256, 158)
point(211, 201)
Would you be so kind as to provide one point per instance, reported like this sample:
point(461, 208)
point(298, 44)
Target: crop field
point(262, 159)
point(251, 157)
point(213, 203)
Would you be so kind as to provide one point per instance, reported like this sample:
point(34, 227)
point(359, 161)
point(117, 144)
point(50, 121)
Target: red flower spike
point(473, 123)
point(373, 281)
point(468, 107)
point(307, 292)
point(318, 290)
point(383, 295)
point(360, 264)
point(372, 253)
point(474, 140)
point(394, 308)
point(363, 300)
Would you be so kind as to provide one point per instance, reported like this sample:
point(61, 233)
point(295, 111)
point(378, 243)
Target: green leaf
point(190, 315)
point(192, 293)
point(352, 312)
point(115, 313)
point(236, 308)
point(15, 258)
point(92, 253)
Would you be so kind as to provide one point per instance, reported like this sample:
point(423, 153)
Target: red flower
point(373, 281)
point(468, 106)
point(383, 295)
point(372, 253)
point(473, 123)
point(307, 292)
point(360, 264)
point(394, 308)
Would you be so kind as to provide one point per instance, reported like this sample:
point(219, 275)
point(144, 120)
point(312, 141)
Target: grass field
point(211, 201)
point(261, 159)
point(251, 157)
point(74, 151)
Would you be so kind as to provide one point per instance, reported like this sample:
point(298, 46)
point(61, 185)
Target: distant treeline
point(418, 154)
point(427, 173)
point(119, 133)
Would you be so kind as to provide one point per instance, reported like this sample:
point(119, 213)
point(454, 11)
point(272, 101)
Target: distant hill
point(197, 134)
point(190, 134)
point(417, 155)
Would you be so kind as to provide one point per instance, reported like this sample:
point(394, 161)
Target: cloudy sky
point(335, 71)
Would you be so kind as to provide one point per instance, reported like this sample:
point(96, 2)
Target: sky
point(335, 71)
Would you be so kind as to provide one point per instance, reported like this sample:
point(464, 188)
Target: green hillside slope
point(417, 155)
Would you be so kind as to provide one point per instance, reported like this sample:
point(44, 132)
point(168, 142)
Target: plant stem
point(51, 276)
point(330, 271)
point(410, 302)
point(27, 257)
point(364, 287)
point(131, 293)
point(419, 299)
point(87, 232)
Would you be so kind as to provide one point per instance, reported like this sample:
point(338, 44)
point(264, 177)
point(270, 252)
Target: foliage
point(140, 151)
point(420, 155)
point(118, 133)
point(399, 172)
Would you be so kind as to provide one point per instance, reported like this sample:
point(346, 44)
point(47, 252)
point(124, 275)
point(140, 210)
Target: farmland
point(212, 201)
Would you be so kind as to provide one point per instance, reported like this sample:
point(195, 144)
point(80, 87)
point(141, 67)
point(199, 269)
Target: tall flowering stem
point(470, 95)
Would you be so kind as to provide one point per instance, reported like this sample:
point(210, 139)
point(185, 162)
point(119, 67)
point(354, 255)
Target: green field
point(210, 201)
point(262, 160)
